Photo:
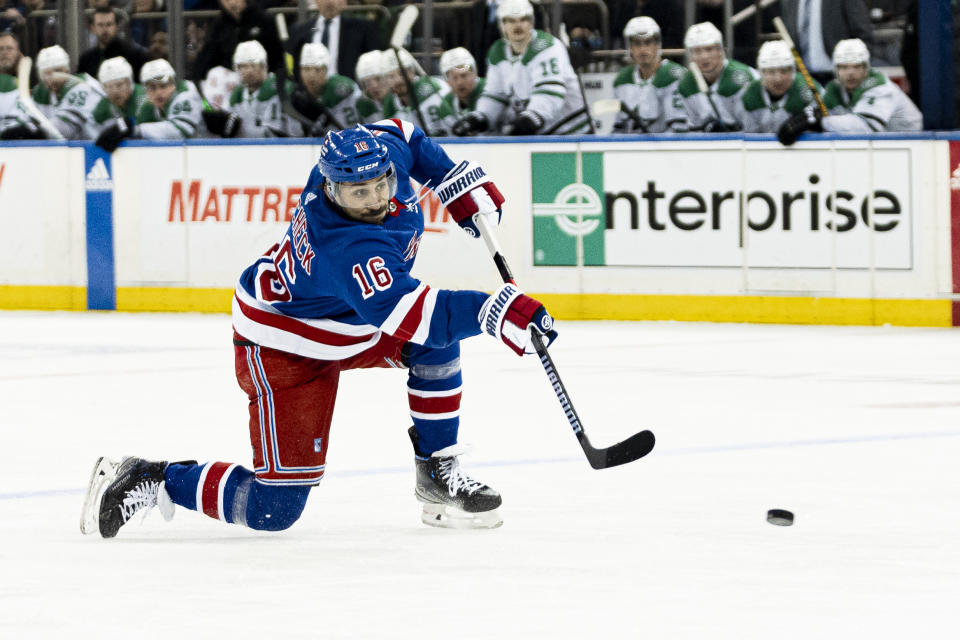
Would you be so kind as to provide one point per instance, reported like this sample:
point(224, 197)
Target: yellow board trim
point(43, 298)
point(587, 306)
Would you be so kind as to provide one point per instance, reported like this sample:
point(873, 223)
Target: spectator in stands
point(459, 69)
point(370, 70)
point(9, 53)
point(726, 80)
point(647, 89)
point(238, 22)
point(103, 23)
point(344, 36)
point(818, 25)
point(860, 100)
point(530, 86)
point(325, 100)
point(779, 93)
point(12, 13)
point(159, 46)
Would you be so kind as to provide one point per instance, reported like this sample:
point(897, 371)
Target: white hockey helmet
point(514, 9)
point(158, 70)
point(113, 69)
point(390, 60)
point(775, 55)
point(702, 34)
point(641, 27)
point(53, 57)
point(369, 65)
point(852, 51)
point(314, 54)
point(457, 57)
point(249, 52)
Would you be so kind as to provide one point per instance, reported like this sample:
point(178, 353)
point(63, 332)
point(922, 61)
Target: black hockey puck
point(780, 517)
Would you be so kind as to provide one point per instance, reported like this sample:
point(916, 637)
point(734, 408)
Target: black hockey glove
point(719, 126)
point(114, 133)
point(810, 119)
point(222, 123)
point(527, 123)
point(471, 124)
point(306, 105)
point(25, 131)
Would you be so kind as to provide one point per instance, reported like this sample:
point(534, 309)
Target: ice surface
point(854, 429)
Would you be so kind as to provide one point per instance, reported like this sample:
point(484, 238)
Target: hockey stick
point(400, 32)
point(704, 89)
point(634, 447)
point(612, 105)
point(802, 68)
point(23, 86)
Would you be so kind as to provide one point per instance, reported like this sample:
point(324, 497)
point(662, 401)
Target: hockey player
point(370, 70)
point(459, 69)
point(327, 101)
point(124, 97)
point(860, 100)
point(647, 89)
point(726, 81)
point(531, 87)
point(255, 101)
point(66, 100)
point(335, 294)
point(779, 93)
point(424, 101)
point(172, 110)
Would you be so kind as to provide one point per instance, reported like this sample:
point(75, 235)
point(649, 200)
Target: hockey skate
point(118, 490)
point(452, 499)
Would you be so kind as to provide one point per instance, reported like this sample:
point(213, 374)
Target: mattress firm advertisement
point(799, 209)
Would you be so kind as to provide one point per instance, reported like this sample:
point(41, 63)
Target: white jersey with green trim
point(878, 104)
point(655, 100)
point(12, 112)
point(262, 112)
point(430, 93)
point(541, 79)
point(71, 108)
point(723, 97)
point(180, 118)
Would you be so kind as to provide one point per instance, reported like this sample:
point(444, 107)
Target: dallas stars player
point(428, 92)
point(726, 81)
point(780, 93)
point(15, 122)
point(124, 96)
point(66, 100)
point(370, 72)
point(328, 101)
point(255, 101)
point(648, 88)
point(171, 112)
point(860, 100)
point(531, 87)
point(460, 71)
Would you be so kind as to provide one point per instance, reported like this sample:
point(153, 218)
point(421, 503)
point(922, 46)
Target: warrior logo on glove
point(467, 191)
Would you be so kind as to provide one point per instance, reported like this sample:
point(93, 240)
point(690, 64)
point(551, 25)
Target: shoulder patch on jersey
point(734, 77)
point(426, 87)
point(833, 96)
point(342, 85)
point(540, 43)
point(268, 89)
point(873, 80)
point(799, 95)
point(753, 96)
point(624, 76)
point(668, 73)
point(497, 52)
point(688, 85)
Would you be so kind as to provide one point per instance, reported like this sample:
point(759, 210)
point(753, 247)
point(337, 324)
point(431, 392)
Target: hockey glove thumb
point(24, 131)
point(527, 123)
point(222, 123)
point(467, 192)
point(111, 136)
point(510, 315)
point(470, 124)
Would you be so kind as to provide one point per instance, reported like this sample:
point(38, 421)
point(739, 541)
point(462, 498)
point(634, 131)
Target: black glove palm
point(26, 131)
point(470, 124)
point(114, 133)
point(527, 123)
point(810, 119)
point(222, 123)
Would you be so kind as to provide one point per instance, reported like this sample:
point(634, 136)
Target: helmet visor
point(375, 193)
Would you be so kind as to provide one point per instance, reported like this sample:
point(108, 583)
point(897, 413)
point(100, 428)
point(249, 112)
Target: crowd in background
point(500, 72)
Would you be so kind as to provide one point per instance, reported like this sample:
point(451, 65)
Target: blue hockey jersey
point(332, 287)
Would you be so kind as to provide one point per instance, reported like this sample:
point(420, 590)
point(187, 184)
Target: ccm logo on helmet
point(372, 165)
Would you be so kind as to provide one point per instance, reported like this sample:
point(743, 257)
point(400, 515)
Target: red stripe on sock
point(211, 489)
point(443, 404)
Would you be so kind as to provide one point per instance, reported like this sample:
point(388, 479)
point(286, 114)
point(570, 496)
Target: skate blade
point(449, 517)
point(104, 472)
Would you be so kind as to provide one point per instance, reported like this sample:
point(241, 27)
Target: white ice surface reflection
point(856, 430)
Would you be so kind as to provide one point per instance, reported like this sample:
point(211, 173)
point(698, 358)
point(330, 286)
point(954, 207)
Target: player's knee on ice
point(274, 508)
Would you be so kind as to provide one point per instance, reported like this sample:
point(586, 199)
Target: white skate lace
point(456, 479)
point(143, 496)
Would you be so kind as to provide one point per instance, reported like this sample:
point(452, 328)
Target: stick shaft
point(802, 68)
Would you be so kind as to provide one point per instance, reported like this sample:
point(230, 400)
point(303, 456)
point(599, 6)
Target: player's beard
point(374, 215)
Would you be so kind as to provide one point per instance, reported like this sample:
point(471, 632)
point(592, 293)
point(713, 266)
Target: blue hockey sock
point(433, 390)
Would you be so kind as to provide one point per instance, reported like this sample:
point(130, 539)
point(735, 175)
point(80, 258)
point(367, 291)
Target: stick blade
point(404, 24)
point(633, 448)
